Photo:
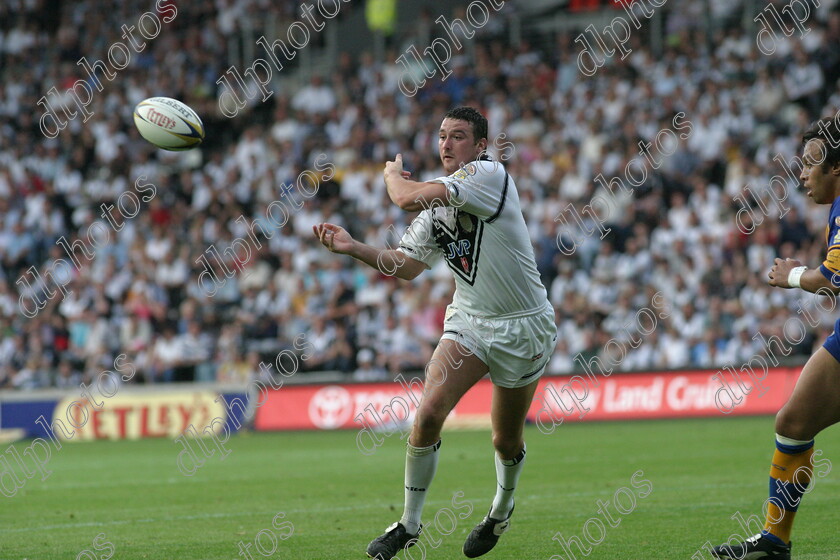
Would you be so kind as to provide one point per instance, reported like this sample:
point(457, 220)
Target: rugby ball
point(168, 124)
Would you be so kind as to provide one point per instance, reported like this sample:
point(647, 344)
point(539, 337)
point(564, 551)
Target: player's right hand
point(781, 270)
point(333, 237)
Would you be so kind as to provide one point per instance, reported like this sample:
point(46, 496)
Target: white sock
point(420, 466)
point(792, 442)
point(507, 475)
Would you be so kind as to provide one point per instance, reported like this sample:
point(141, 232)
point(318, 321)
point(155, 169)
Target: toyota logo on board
point(331, 407)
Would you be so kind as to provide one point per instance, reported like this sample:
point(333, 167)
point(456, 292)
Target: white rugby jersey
point(484, 240)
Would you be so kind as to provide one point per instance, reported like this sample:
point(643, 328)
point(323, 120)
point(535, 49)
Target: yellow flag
point(381, 15)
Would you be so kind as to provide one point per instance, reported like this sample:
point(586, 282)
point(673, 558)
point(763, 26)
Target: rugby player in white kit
point(499, 322)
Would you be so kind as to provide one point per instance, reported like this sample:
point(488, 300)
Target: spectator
point(316, 98)
point(674, 232)
point(367, 370)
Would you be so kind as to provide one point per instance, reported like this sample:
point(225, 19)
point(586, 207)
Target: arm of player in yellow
point(391, 262)
point(412, 196)
point(812, 280)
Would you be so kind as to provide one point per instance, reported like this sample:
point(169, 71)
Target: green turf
point(702, 472)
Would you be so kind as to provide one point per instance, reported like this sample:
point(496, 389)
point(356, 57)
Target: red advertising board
point(557, 400)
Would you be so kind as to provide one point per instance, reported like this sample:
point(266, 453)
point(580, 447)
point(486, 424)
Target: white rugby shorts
point(516, 348)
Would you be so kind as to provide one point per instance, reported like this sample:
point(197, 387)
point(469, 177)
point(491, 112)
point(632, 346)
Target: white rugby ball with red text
point(168, 124)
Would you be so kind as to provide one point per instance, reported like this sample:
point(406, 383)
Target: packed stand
point(155, 290)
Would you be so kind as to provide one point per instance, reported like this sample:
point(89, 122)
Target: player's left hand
point(780, 271)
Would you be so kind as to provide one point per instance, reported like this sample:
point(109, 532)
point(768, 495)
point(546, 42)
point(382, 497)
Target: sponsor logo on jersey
point(458, 234)
point(460, 247)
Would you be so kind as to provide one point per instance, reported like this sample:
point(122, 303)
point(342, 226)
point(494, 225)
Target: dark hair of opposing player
point(827, 131)
point(472, 116)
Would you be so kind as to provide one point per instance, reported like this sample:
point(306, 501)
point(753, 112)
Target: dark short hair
point(472, 116)
point(828, 131)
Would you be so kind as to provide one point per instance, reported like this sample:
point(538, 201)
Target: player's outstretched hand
point(333, 237)
point(395, 166)
point(780, 272)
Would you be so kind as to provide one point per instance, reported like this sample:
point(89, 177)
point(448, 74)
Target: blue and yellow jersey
point(831, 266)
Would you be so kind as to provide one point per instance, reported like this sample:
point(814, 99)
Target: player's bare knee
point(791, 424)
point(783, 420)
point(427, 424)
point(507, 447)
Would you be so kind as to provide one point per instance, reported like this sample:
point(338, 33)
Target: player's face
point(456, 144)
point(819, 185)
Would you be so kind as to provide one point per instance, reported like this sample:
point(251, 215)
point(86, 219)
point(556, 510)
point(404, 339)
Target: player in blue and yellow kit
point(815, 402)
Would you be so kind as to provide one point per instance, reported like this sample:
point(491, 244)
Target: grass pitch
point(129, 500)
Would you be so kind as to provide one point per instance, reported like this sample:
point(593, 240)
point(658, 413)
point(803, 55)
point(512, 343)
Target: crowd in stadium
point(680, 233)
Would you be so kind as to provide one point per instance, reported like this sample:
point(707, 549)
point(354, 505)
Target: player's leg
point(510, 406)
point(813, 406)
point(451, 372)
